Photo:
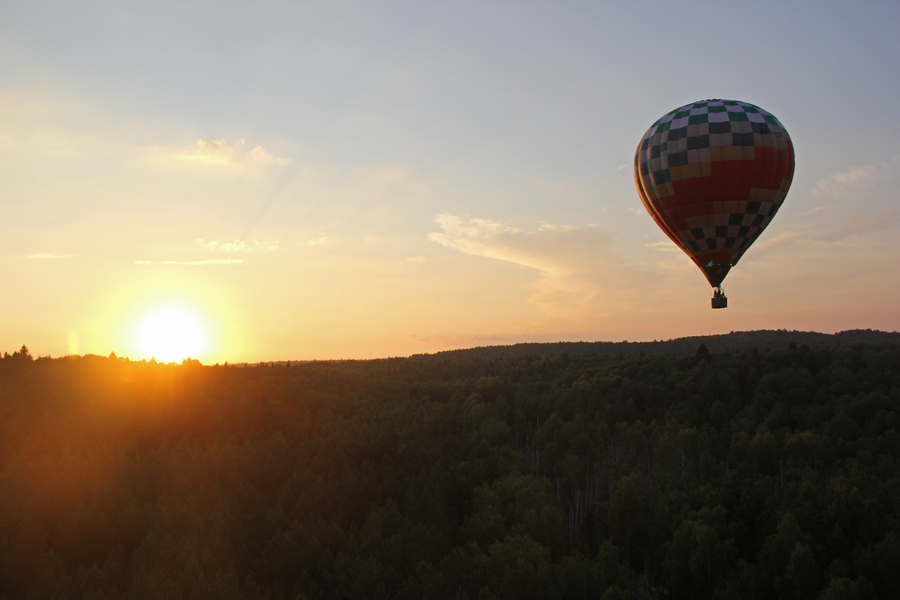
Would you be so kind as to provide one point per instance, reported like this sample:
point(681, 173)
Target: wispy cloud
point(218, 153)
point(846, 211)
point(48, 255)
point(236, 245)
point(782, 238)
point(257, 154)
point(217, 246)
point(834, 233)
point(815, 210)
point(855, 177)
point(31, 126)
point(861, 225)
point(576, 265)
point(665, 246)
point(220, 261)
point(215, 152)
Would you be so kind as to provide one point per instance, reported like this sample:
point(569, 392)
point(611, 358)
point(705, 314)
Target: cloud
point(665, 246)
point(236, 245)
point(257, 154)
point(48, 255)
point(221, 261)
point(858, 203)
point(322, 239)
point(860, 225)
point(855, 177)
point(833, 233)
point(31, 125)
point(218, 153)
point(576, 265)
point(815, 210)
point(782, 238)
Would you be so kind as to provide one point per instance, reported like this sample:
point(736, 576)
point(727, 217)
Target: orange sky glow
point(405, 178)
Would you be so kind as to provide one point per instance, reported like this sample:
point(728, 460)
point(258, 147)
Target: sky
point(350, 180)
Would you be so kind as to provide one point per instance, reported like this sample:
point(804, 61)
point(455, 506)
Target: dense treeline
point(754, 475)
point(736, 341)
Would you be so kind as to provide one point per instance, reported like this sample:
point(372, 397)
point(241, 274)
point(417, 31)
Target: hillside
point(736, 341)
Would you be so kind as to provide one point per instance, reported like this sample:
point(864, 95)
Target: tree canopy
point(752, 474)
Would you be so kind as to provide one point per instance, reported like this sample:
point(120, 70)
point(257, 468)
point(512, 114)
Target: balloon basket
point(720, 302)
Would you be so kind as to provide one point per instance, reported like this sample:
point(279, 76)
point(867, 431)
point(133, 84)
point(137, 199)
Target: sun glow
point(171, 334)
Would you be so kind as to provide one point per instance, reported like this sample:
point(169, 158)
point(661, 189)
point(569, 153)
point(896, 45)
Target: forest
point(539, 472)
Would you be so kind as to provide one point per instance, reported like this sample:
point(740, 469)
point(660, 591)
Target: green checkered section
point(685, 135)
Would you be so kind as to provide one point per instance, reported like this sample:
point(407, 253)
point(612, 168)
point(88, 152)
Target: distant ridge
point(736, 341)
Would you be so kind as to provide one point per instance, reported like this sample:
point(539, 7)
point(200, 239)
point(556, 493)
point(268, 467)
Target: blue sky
point(327, 180)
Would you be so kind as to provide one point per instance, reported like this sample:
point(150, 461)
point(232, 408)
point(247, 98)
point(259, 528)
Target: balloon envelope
point(712, 174)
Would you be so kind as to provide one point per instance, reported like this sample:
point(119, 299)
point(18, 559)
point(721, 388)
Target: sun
point(171, 334)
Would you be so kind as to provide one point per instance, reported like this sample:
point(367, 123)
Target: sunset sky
point(323, 180)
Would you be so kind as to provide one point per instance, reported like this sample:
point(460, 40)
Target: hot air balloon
point(712, 174)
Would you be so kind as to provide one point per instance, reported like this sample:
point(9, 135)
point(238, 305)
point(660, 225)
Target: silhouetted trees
point(21, 355)
point(753, 474)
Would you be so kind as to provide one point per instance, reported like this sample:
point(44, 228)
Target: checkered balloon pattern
point(712, 174)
